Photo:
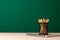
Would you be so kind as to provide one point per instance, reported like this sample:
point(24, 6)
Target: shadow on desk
point(37, 35)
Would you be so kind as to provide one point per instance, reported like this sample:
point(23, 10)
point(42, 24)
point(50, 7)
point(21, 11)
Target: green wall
point(22, 15)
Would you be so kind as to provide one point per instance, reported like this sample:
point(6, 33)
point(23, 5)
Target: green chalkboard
point(23, 15)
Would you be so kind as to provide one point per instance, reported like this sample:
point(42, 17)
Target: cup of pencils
point(43, 23)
